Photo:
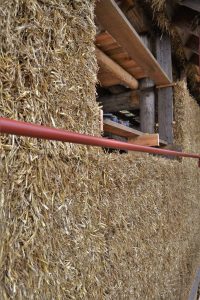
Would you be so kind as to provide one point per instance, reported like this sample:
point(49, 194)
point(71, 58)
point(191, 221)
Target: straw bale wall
point(76, 223)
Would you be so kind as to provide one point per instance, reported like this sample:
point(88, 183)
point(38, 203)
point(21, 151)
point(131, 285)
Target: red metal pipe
point(38, 131)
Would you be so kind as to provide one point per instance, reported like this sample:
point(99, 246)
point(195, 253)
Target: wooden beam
point(193, 4)
point(133, 135)
point(113, 20)
point(117, 89)
point(147, 106)
point(117, 71)
point(106, 43)
point(147, 99)
point(107, 79)
point(146, 140)
point(121, 130)
point(165, 95)
point(123, 101)
point(101, 120)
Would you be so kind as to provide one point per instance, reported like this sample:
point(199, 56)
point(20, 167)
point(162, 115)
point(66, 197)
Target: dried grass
point(77, 223)
point(158, 8)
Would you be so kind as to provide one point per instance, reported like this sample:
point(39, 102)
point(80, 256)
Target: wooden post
point(165, 95)
point(147, 100)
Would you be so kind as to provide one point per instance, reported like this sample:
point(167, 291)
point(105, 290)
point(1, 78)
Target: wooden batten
point(146, 140)
point(122, 101)
point(114, 21)
point(134, 136)
point(115, 72)
point(119, 129)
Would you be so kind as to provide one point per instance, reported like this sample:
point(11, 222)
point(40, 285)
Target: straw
point(78, 223)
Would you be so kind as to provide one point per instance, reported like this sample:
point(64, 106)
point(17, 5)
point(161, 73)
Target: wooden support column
point(165, 95)
point(147, 99)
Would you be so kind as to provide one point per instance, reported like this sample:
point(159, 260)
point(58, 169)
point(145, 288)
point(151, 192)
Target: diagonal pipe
point(20, 128)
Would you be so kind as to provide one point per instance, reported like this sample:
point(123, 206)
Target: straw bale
point(162, 21)
point(77, 223)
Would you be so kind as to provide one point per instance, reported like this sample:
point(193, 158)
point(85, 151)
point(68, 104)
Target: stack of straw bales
point(77, 223)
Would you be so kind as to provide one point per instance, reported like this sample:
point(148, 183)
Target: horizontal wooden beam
point(108, 80)
point(146, 140)
point(121, 130)
point(134, 136)
point(124, 101)
point(114, 21)
point(193, 4)
point(116, 70)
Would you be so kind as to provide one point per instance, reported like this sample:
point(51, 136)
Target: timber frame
point(135, 70)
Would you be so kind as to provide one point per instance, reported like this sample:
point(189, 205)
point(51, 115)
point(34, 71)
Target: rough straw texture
point(77, 223)
point(161, 18)
point(163, 22)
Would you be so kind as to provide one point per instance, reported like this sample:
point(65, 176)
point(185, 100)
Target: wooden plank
point(101, 120)
point(162, 142)
point(121, 130)
point(147, 99)
point(119, 55)
point(134, 136)
point(146, 140)
point(112, 19)
point(193, 4)
point(137, 73)
point(165, 95)
point(123, 101)
point(118, 72)
point(163, 54)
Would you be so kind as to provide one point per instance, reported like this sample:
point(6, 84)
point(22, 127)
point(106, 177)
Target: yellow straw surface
point(76, 223)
